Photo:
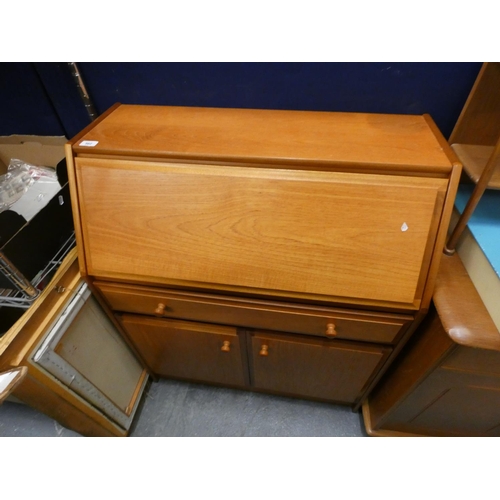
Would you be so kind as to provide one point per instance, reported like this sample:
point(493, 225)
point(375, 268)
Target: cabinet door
point(450, 403)
point(360, 237)
point(84, 351)
point(329, 370)
point(188, 350)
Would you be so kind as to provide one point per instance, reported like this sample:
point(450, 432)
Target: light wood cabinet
point(319, 233)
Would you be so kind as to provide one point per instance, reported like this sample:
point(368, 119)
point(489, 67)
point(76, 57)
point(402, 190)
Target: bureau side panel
point(450, 403)
point(355, 236)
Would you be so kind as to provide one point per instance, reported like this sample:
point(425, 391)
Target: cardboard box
point(37, 150)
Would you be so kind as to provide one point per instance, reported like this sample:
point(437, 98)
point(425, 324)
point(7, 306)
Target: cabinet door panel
point(188, 350)
point(357, 236)
point(463, 410)
point(329, 370)
point(450, 403)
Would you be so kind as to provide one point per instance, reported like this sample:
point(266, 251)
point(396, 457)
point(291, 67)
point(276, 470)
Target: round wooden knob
point(330, 330)
point(264, 350)
point(160, 309)
point(226, 346)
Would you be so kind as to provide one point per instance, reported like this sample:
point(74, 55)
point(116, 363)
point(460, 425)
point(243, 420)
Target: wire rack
point(24, 292)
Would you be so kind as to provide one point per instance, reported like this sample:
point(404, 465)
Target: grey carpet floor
point(180, 409)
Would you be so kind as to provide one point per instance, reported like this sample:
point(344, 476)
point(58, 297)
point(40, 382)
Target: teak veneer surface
point(267, 136)
point(461, 310)
point(474, 159)
point(478, 121)
point(320, 369)
point(447, 380)
point(304, 232)
point(188, 350)
point(261, 314)
point(275, 227)
point(20, 338)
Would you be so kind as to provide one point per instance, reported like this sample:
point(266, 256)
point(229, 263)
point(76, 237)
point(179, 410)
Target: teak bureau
point(282, 251)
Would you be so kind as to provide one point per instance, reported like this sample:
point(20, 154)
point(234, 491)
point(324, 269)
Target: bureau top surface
point(228, 134)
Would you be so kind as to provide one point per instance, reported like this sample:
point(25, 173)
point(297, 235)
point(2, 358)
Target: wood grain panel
point(474, 159)
point(462, 410)
point(479, 361)
point(450, 402)
point(188, 350)
point(329, 370)
point(253, 313)
point(478, 122)
point(256, 135)
point(49, 397)
point(461, 310)
point(328, 233)
point(23, 335)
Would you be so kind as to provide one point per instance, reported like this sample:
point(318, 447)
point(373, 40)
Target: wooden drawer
point(322, 369)
point(188, 350)
point(253, 313)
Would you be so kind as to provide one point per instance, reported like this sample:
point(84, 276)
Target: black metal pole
point(87, 101)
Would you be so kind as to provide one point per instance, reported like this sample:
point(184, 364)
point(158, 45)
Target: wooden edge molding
point(16, 376)
point(92, 124)
point(470, 97)
point(382, 432)
point(75, 208)
point(461, 309)
point(442, 234)
point(22, 325)
point(49, 396)
point(101, 299)
point(407, 333)
point(448, 151)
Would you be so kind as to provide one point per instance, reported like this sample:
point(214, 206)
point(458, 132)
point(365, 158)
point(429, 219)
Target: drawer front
point(318, 321)
point(358, 237)
point(330, 370)
point(188, 350)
